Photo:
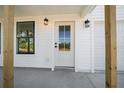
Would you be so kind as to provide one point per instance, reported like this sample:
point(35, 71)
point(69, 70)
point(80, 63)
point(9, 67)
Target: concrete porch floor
point(60, 78)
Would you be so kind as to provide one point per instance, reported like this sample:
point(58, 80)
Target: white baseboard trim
point(83, 70)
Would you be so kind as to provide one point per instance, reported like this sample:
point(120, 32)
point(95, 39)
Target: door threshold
point(64, 68)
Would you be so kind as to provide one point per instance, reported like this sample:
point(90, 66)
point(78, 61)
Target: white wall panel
point(99, 37)
point(120, 45)
point(83, 47)
point(99, 46)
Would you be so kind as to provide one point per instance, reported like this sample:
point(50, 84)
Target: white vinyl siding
point(120, 45)
point(99, 38)
point(99, 45)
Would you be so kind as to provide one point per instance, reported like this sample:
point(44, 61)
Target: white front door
point(64, 44)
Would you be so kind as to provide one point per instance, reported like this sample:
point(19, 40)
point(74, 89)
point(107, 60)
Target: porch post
point(8, 33)
point(110, 39)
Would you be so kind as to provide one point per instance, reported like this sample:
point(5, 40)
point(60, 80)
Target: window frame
point(17, 38)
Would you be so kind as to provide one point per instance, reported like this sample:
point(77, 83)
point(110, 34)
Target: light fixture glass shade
point(45, 21)
point(87, 23)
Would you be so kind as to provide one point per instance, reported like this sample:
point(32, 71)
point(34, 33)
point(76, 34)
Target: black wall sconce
point(46, 21)
point(87, 23)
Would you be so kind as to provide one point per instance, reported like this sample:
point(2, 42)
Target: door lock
point(55, 45)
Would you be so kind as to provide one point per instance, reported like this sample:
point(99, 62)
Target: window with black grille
point(25, 37)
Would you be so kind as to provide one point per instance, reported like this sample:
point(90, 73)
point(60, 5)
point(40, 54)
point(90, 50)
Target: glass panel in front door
point(64, 37)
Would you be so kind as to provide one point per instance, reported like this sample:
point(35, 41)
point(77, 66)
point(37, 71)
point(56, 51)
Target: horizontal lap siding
point(99, 37)
point(82, 48)
point(99, 46)
point(120, 45)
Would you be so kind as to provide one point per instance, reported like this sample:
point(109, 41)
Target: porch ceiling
point(47, 9)
point(37, 10)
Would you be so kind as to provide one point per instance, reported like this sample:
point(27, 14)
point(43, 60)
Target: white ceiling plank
point(37, 10)
point(86, 10)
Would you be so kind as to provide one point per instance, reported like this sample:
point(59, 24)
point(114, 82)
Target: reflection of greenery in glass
point(67, 45)
point(61, 44)
point(25, 37)
point(23, 45)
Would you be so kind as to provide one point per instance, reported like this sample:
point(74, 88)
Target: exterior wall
point(83, 48)
point(120, 45)
point(99, 38)
point(120, 37)
point(99, 45)
point(1, 21)
point(44, 43)
point(89, 43)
